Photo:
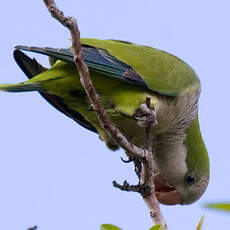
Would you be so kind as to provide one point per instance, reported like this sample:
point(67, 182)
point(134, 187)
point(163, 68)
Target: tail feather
point(29, 66)
point(21, 87)
point(32, 68)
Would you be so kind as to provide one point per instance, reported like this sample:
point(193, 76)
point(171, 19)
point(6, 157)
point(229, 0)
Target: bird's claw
point(130, 159)
point(146, 116)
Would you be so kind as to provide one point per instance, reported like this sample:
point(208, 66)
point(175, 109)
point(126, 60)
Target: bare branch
point(154, 210)
point(146, 119)
point(148, 168)
point(145, 167)
point(127, 187)
point(86, 82)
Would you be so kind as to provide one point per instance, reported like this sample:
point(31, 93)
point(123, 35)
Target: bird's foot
point(145, 115)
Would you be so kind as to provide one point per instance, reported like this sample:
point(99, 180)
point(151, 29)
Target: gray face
point(193, 188)
point(185, 191)
point(188, 186)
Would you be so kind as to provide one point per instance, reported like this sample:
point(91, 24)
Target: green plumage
point(161, 71)
point(124, 74)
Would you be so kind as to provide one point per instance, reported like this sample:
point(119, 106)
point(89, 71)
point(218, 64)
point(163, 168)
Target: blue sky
point(57, 175)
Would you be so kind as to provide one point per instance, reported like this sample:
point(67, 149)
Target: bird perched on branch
point(124, 74)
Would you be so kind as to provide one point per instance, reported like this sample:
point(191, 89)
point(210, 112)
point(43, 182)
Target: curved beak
point(165, 193)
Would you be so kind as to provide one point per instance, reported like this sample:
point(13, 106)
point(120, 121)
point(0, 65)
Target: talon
point(126, 161)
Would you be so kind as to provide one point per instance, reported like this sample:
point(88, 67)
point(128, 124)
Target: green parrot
point(124, 74)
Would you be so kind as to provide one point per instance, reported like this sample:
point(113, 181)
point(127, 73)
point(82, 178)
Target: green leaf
point(200, 223)
point(220, 206)
point(109, 227)
point(157, 227)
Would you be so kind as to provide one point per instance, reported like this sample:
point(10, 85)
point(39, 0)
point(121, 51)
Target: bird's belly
point(124, 119)
point(120, 101)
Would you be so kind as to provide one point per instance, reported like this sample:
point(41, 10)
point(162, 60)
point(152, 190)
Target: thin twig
point(148, 120)
point(148, 129)
point(127, 187)
point(144, 155)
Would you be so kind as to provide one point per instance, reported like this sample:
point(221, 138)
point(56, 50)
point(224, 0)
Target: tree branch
point(127, 187)
point(147, 119)
point(86, 82)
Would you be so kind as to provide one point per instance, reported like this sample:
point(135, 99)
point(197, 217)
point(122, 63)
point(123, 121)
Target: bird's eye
point(190, 178)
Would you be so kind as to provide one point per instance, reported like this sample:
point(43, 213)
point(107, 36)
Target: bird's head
point(184, 191)
point(183, 167)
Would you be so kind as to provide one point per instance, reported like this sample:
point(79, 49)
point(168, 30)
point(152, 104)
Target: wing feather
point(32, 68)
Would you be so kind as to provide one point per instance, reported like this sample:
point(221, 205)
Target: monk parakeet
point(124, 74)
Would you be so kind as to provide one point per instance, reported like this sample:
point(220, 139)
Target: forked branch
point(145, 156)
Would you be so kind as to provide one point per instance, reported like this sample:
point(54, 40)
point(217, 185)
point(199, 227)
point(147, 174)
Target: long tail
point(21, 87)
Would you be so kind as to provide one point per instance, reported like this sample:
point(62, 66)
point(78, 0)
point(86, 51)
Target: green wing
point(143, 66)
point(161, 71)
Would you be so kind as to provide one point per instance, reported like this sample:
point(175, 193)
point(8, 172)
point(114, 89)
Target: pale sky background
point(57, 175)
